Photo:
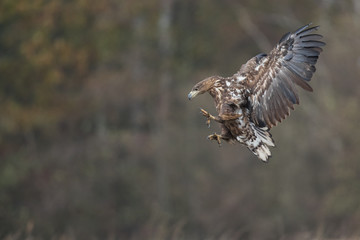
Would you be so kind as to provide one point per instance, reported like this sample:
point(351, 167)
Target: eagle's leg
point(229, 117)
point(218, 138)
point(210, 117)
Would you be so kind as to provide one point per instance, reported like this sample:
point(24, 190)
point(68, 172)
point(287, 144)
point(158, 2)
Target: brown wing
point(272, 78)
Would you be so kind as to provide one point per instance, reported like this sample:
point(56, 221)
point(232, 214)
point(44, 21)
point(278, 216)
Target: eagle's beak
point(193, 94)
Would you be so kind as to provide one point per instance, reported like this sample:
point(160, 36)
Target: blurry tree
point(98, 140)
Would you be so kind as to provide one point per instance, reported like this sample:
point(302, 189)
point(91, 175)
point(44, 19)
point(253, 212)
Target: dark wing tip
point(302, 28)
point(306, 30)
point(299, 32)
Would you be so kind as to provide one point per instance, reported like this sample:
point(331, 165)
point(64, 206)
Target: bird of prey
point(263, 91)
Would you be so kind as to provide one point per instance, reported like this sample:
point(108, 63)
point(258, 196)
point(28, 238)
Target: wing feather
point(311, 37)
point(272, 80)
point(305, 29)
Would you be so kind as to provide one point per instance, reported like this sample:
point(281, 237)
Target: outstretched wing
point(272, 79)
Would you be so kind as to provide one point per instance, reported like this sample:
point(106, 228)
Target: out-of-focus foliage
point(98, 139)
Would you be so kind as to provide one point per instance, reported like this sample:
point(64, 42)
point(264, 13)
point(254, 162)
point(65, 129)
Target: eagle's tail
point(260, 146)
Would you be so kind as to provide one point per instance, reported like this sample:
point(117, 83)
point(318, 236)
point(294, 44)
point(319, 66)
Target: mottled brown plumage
point(263, 91)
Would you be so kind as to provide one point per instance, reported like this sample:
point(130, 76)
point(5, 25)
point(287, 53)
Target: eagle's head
point(202, 86)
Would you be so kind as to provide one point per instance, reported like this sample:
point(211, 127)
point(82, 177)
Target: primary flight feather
point(263, 91)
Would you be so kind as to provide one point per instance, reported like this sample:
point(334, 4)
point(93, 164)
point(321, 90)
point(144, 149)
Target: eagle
point(262, 92)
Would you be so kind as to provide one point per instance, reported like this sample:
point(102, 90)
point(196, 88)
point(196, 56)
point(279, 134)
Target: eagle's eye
point(196, 89)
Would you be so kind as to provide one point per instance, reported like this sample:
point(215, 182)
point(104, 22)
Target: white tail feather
point(260, 147)
point(262, 151)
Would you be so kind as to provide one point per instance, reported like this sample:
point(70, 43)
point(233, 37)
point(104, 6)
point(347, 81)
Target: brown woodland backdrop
point(99, 141)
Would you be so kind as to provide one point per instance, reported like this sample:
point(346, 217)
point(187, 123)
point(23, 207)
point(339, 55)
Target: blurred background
point(99, 141)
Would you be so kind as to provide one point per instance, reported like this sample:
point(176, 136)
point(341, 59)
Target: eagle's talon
point(208, 116)
point(215, 137)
